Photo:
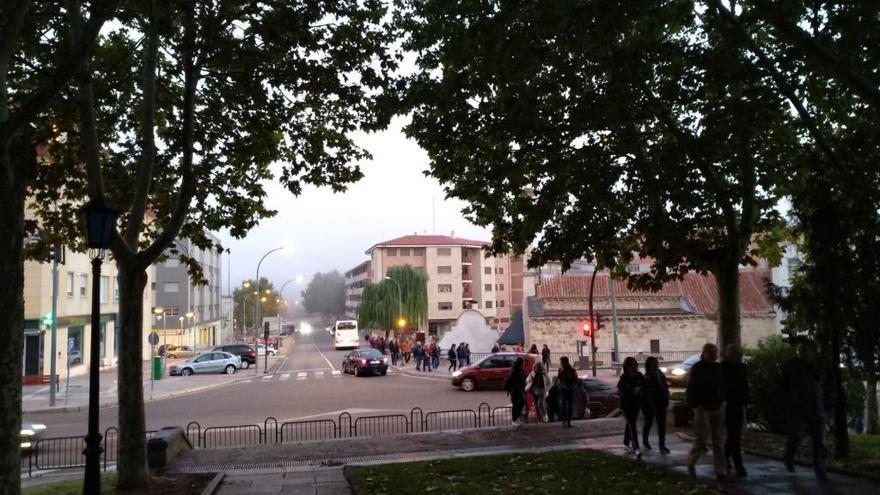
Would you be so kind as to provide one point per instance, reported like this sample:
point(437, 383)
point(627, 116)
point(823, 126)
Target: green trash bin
point(157, 368)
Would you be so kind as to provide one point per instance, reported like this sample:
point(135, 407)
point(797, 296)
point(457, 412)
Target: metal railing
point(603, 359)
point(69, 452)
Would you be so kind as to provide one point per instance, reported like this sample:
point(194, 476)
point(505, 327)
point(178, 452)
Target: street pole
point(593, 322)
point(53, 346)
point(92, 482)
point(164, 340)
point(616, 356)
point(257, 321)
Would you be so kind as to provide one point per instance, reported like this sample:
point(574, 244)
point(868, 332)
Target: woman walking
point(656, 400)
point(515, 384)
point(538, 385)
point(568, 382)
point(629, 387)
point(452, 357)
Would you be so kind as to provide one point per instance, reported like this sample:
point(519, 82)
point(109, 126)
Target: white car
point(261, 350)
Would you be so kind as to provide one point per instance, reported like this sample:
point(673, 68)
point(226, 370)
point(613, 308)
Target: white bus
point(345, 334)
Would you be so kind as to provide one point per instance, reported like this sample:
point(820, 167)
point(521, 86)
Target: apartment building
point(460, 277)
point(355, 280)
point(178, 296)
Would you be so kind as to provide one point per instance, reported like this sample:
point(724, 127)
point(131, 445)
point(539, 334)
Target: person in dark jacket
point(545, 357)
point(495, 348)
point(568, 382)
point(459, 353)
point(533, 349)
point(705, 394)
point(630, 388)
point(418, 353)
point(736, 398)
point(655, 398)
point(553, 411)
point(515, 384)
point(805, 407)
point(452, 356)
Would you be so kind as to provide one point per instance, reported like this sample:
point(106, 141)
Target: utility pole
point(53, 347)
point(616, 355)
point(593, 321)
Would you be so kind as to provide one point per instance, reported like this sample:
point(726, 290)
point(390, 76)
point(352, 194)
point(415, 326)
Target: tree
point(602, 130)
point(243, 299)
point(382, 305)
point(223, 90)
point(38, 59)
point(325, 295)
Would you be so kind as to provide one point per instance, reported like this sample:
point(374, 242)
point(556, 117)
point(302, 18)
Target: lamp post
point(189, 318)
point(258, 324)
point(100, 220)
point(161, 313)
point(400, 319)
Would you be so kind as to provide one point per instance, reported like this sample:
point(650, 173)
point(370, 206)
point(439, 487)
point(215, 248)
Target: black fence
point(603, 359)
point(69, 452)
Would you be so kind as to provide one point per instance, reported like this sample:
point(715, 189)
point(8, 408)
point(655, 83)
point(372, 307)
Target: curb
point(214, 485)
point(420, 374)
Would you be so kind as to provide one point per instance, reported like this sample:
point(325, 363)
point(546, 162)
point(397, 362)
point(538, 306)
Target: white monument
point(471, 327)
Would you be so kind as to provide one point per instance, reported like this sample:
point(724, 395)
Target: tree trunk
point(132, 467)
point(872, 420)
point(12, 196)
point(840, 427)
point(727, 278)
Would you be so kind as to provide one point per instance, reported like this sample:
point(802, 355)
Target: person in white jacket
point(538, 385)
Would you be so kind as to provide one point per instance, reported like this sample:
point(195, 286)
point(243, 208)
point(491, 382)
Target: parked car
point(679, 375)
point(75, 356)
point(365, 361)
point(490, 372)
point(209, 362)
point(30, 433)
point(247, 353)
point(602, 397)
point(261, 350)
point(180, 351)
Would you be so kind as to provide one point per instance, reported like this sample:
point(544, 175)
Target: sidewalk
point(75, 396)
point(442, 373)
point(314, 467)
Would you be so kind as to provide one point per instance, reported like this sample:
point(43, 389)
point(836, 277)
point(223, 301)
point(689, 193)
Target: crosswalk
point(316, 374)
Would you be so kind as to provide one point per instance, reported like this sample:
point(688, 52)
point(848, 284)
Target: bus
point(345, 334)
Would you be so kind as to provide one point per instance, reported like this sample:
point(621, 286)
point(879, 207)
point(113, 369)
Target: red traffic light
point(585, 328)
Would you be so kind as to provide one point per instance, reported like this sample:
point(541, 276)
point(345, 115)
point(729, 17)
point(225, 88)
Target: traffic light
point(600, 322)
point(585, 327)
point(47, 319)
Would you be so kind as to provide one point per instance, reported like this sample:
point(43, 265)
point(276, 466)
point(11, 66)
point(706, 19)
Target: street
point(308, 384)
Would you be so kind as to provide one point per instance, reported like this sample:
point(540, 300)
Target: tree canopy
point(325, 294)
point(244, 300)
point(381, 302)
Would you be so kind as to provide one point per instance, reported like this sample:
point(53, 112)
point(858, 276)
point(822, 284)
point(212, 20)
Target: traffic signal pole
point(593, 321)
point(616, 355)
point(53, 346)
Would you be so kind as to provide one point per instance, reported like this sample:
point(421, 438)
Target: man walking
point(736, 388)
point(545, 357)
point(805, 409)
point(705, 393)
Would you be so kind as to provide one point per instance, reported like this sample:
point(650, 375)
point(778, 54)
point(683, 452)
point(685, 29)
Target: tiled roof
point(700, 291)
point(429, 240)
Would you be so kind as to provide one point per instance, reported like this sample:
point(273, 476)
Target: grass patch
point(70, 487)
point(566, 471)
point(864, 453)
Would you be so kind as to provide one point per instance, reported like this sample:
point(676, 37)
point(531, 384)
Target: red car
point(603, 397)
point(490, 372)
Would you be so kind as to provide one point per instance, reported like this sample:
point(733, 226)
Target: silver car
point(209, 362)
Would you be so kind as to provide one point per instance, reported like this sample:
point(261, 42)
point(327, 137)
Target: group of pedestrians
point(458, 355)
point(551, 398)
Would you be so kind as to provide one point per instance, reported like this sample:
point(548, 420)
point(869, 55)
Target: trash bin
point(157, 367)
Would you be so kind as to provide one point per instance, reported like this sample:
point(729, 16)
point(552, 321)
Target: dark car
point(603, 397)
point(678, 376)
point(490, 372)
point(365, 362)
point(247, 353)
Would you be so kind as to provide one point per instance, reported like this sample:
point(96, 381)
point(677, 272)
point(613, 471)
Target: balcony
point(466, 274)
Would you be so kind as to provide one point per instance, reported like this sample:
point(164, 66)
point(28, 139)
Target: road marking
point(266, 377)
point(319, 374)
point(301, 376)
point(336, 372)
point(285, 377)
point(321, 353)
point(313, 369)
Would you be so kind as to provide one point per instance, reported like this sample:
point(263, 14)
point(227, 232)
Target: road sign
point(153, 339)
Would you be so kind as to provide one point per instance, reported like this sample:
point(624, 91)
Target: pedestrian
point(495, 348)
point(418, 354)
point(805, 407)
point(453, 358)
point(467, 354)
point(568, 382)
point(736, 398)
point(533, 349)
point(427, 357)
point(515, 385)
point(553, 411)
point(705, 394)
point(538, 385)
point(406, 347)
point(630, 389)
point(459, 354)
point(545, 357)
point(435, 355)
point(655, 396)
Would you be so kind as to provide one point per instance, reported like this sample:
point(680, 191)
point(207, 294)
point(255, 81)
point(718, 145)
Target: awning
point(514, 333)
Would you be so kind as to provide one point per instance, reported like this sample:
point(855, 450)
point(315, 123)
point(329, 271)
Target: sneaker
point(692, 471)
point(664, 450)
point(638, 455)
point(647, 445)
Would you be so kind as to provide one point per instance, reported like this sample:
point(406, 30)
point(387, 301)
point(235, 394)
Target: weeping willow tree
point(379, 302)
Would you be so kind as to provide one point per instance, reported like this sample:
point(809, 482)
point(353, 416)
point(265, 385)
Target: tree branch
point(148, 144)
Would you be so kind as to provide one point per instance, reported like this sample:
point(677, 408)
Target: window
point(105, 288)
point(501, 303)
point(419, 268)
point(83, 284)
point(392, 251)
point(499, 286)
point(75, 345)
point(103, 336)
point(444, 288)
point(116, 290)
point(794, 266)
point(487, 287)
point(152, 285)
point(655, 346)
point(172, 263)
point(444, 306)
point(418, 251)
point(487, 270)
point(444, 269)
point(444, 251)
point(488, 304)
point(172, 287)
point(499, 271)
point(70, 284)
point(404, 251)
point(634, 268)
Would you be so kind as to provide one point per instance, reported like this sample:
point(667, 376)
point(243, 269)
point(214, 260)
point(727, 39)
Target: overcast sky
point(331, 231)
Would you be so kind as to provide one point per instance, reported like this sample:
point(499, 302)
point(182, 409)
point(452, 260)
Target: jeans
point(418, 363)
point(797, 428)
point(540, 407)
point(733, 418)
point(654, 413)
point(631, 433)
point(435, 361)
point(566, 397)
point(452, 365)
point(426, 363)
point(709, 423)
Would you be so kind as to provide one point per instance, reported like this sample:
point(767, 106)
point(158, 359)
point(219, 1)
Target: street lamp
point(257, 300)
point(401, 321)
point(161, 313)
point(100, 220)
point(189, 317)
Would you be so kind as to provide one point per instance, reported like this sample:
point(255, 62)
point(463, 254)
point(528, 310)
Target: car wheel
point(383, 373)
point(230, 369)
point(344, 369)
point(186, 372)
point(357, 371)
point(245, 365)
point(77, 361)
point(468, 384)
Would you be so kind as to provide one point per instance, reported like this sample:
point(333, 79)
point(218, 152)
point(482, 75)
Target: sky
point(330, 231)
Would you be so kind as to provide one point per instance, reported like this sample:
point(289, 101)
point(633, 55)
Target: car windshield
point(345, 325)
point(691, 360)
point(371, 354)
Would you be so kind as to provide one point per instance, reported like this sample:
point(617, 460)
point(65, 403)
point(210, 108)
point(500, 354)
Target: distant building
point(355, 280)
point(792, 261)
point(460, 277)
point(178, 296)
